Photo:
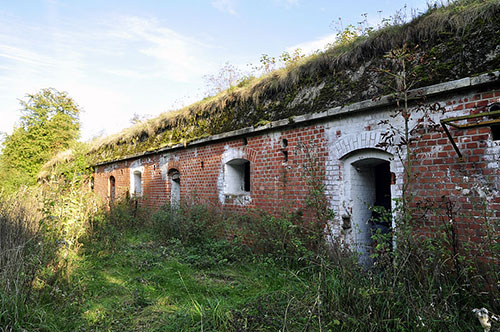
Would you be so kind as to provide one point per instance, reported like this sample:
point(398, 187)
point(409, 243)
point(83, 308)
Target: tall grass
point(422, 284)
point(416, 286)
point(40, 232)
point(23, 252)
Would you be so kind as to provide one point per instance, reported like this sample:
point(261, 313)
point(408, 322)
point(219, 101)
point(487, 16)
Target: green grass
point(141, 285)
point(135, 278)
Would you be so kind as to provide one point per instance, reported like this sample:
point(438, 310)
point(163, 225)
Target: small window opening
point(495, 128)
point(237, 176)
point(246, 184)
point(284, 143)
point(285, 155)
point(154, 167)
point(245, 141)
point(202, 164)
point(137, 183)
point(112, 188)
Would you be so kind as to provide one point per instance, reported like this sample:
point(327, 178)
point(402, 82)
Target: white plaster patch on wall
point(241, 200)
point(493, 148)
point(275, 139)
point(220, 181)
point(163, 164)
point(494, 151)
point(136, 163)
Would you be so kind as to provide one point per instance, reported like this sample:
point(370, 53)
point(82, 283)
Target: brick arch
point(174, 164)
point(361, 141)
point(251, 154)
point(239, 153)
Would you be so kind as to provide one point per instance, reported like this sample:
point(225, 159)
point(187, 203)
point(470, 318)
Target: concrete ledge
point(431, 90)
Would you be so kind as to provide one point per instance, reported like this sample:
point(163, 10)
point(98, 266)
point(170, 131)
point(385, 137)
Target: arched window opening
point(175, 187)
point(112, 188)
point(237, 177)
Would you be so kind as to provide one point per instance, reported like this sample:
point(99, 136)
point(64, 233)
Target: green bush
point(284, 240)
point(192, 224)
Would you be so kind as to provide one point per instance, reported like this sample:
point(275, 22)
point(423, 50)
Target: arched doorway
point(368, 179)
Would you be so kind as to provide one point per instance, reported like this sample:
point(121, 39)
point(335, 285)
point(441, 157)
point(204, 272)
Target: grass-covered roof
point(461, 39)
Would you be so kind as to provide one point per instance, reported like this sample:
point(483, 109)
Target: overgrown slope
point(460, 40)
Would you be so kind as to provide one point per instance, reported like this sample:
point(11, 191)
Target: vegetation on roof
point(461, 39)
point(71, 164)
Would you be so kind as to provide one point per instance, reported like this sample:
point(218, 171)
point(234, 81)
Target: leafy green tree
point(50, 122)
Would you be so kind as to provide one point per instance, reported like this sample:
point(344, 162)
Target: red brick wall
point(462, 194)
point(470, 185)
point(102, 175)
point(275, 184)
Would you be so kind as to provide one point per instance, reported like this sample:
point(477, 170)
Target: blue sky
point(118, 57)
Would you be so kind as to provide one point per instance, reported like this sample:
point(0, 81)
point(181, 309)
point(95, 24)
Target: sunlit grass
point(140, 286)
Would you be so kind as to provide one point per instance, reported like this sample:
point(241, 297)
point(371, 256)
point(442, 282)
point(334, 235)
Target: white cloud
point(225, 6)
point(21, 55)
point(314, 45)
point(176, 56)
point(112, 68)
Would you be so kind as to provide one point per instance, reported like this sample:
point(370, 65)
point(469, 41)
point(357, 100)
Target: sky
point(117, 58)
